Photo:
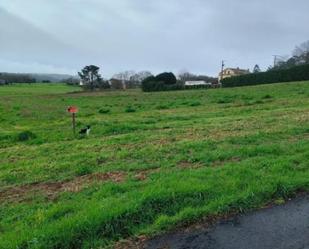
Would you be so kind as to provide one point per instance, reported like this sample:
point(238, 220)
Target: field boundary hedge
point(298, 73)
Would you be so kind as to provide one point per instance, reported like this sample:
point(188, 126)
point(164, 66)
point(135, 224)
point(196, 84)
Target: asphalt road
point(280, 227)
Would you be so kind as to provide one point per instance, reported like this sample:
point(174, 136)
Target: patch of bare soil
point(222, 163)
point(189, 165)
point(52, 189)
point(136, 243)
point(142, 175)
point(197, 165)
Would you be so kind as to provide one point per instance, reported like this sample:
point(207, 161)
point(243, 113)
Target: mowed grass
point(153, 160)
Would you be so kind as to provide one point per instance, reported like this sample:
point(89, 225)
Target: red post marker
point(73, 110)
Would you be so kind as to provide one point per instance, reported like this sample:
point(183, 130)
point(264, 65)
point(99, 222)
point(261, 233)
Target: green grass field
point(152, 161)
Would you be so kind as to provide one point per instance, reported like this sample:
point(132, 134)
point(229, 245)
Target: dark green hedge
point(154, 86)
point(161, 82)
point(298, 73)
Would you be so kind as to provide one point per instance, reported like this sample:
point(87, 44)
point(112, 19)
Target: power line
point(276, 56)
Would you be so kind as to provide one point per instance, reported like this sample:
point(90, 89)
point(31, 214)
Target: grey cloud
point(157, 35)
point(23, 42)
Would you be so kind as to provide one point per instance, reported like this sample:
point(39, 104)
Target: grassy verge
point(178, 156)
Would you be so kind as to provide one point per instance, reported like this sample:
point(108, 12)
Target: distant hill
point(51, 77)
point(34, 77)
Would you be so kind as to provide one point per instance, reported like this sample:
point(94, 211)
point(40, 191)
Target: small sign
point(72, 109)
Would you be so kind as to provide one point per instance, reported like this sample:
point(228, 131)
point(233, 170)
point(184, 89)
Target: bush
point(166, 78)
point(25, 136)
point(162, 82)
point(195, 103)
point(104, 111)
point(298, 73)
point(130, 109)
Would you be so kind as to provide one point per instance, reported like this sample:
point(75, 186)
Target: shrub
point(224, 100)
point(162, 82)
point(25, 136)
point(162, 107)
point(5, 137)
point(104, 111)
point(166, 78)
point(130, 109)
point(195, 103)
point(298, 73)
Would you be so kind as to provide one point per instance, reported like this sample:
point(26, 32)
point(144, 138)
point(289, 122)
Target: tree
point(162, 82)
point(301, 53)
point(301, 49)
point(10, 78)
point(102, 84)
point(116, 84)
point(300, 56)
point(137, 78)
point(90, 76)
point(256, 69)
point(124, 77)
point(187, 76)
point(166, 78)
point(184, 76)
point(131, 79)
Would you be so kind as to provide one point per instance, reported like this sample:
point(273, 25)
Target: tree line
point(300, 56)
point(9, 78)
point(91, 79)
point(293, 68)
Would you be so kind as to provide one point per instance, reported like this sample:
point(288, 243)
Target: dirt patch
point(222, 163)
point(133, 243)
point(189, 165)
point(142, 175)
point(51, 190)
point(197, 165)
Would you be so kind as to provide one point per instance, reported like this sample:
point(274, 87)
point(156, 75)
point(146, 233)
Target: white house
point(197, 83)
point(231, 72)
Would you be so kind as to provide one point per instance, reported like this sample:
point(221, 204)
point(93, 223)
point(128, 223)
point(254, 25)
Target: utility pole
point(275, 60)
point(222, 68)
point(278, 58)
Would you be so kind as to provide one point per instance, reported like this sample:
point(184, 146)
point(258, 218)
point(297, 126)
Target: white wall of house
point(196, 83)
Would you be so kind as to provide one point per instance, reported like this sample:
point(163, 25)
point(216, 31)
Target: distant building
point(197, 83)
point(231, 72)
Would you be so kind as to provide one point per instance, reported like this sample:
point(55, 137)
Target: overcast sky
point(61, 36)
